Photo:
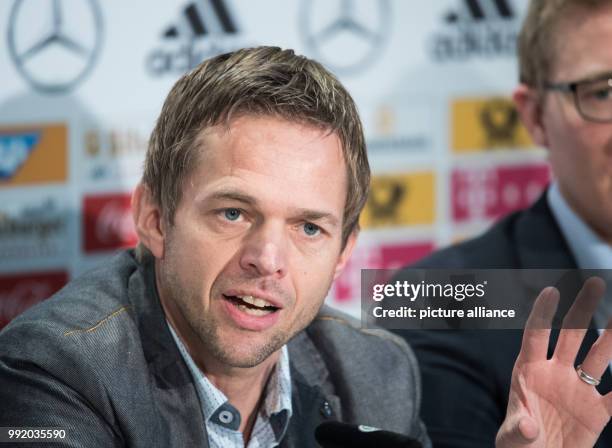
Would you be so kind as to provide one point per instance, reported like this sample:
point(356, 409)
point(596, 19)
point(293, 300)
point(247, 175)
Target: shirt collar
point(278, 390)
point(213, 401)
point(590, 251)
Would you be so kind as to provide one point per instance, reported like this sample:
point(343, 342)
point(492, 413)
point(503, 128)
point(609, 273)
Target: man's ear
point(346, 253)
point(148, 220)
point(529, 105)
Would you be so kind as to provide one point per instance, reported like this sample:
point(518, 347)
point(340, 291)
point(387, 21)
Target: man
point(212, 332)
point(565, 101)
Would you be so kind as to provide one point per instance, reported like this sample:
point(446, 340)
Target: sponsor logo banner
point(482, 124)
point(382, 256)
point(346, 36)
point(400, 200)
point(33, 231)
point(492, 192)
point(33, 154)
point(480, 29)
point(201, 29)
point(19, 292)
point(114, 153)
point(108, 223)
point(54, 45)
point(404, 127)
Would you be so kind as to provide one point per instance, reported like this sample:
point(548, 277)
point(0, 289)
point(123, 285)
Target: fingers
point(537, 328)
point(577, 320)
point(600, 354)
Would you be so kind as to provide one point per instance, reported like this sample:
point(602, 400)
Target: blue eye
point(311, 229)
point(602, 94)
point(232, 214)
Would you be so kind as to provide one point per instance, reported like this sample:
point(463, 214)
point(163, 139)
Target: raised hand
point(550, 406)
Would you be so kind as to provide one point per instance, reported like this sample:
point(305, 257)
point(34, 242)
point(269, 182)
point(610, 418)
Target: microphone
point(344, 435)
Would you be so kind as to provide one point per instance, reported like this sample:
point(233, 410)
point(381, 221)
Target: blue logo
point(14, 151)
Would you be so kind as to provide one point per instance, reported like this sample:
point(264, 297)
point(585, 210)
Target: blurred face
point(580, 150)
point(256, 241)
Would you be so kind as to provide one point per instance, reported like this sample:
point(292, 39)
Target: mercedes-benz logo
point(54, 45)
point(345, 34)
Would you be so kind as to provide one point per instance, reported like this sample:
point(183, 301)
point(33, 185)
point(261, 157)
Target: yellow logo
point(385, 120)
point(482, 124)
point(400, 200)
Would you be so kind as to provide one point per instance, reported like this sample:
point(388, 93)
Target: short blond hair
point(259, 81)
point(536, 41)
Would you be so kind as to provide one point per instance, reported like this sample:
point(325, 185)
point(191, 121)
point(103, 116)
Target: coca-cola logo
point(115, 222)
point(22, 296)
point(20, 292)
point(108, 223)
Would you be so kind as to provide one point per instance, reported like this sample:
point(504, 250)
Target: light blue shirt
point(223, 420)
point(590, 251)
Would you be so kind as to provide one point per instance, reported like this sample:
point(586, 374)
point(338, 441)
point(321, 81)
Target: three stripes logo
point(477, 28)
point(203, 18)
point(202, 29)
point(477, 11)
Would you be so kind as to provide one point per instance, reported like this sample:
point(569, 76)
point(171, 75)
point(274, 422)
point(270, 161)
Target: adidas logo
point(204, 28)
point(476, 29)
point(203, 18)
point(476, 11)
point(14, 152)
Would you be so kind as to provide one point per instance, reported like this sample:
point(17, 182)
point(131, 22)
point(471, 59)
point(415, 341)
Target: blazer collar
point(176, 397)
point(314, 400)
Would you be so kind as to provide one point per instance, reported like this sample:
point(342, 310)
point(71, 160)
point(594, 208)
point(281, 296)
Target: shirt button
point(326, 409)
point(226, 417)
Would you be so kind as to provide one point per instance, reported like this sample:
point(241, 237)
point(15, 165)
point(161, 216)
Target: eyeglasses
point(592, 97)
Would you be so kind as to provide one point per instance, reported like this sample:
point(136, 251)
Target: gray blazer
point(97, 359)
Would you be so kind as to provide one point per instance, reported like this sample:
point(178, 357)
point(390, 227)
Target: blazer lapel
point(178, 407)
point(313, 398)
point(310, 409)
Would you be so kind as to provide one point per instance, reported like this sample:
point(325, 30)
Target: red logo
point(492, 192)
point(20, 292)
point(385, 256)
point(108, 223)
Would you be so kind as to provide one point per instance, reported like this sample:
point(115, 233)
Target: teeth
point(255, 301)
point(253, 312)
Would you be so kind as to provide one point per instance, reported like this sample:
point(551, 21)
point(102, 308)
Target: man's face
point(257, 236)
point(580, 150)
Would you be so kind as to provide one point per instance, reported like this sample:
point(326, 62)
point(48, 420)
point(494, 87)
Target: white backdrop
point(82, 82)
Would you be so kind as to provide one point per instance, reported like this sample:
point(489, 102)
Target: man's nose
point(264, 253)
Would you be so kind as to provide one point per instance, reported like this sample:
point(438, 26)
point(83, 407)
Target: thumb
point(516, 431)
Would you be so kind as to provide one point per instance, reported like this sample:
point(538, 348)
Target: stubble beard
point(206, 328)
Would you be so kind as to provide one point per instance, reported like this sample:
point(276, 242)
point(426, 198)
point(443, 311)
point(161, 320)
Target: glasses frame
point(572, 87)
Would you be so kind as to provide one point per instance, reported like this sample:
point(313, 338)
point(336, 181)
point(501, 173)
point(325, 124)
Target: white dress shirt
point(222, 419)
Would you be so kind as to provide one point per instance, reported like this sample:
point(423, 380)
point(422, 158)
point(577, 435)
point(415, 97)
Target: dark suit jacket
point(98, 360)
point(466, 374)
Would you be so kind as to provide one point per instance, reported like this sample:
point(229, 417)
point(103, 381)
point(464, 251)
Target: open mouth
point(252, 306)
